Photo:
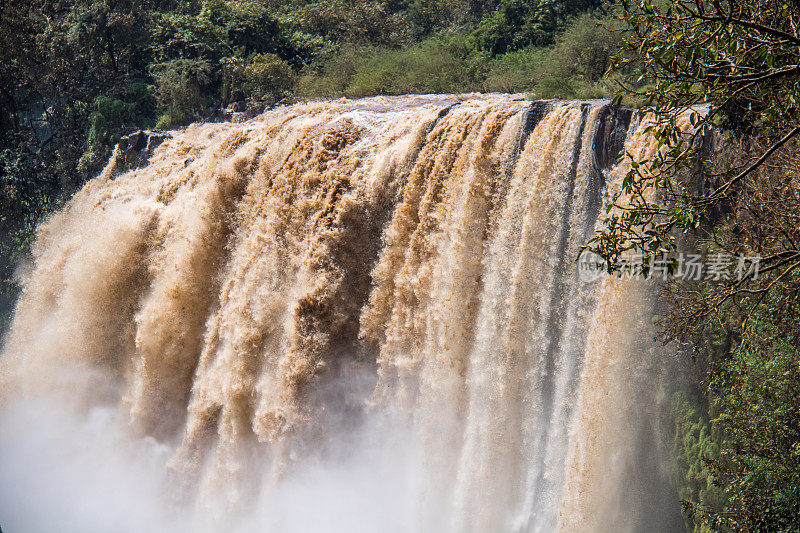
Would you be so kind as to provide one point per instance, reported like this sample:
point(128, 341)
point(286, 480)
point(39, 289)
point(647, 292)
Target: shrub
point(518, 24)
point(180, 85)
point(694, 446)
point(266, 76)
point(586, 46)
point(354, 22)
point(331, 76)
point(428, 15)
point(514, 71)
point(109, 116)
point(573, 67)
point(436, 65)
point(177, 35)
point(25, 199)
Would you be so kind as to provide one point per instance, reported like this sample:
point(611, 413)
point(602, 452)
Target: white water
point(340, 316)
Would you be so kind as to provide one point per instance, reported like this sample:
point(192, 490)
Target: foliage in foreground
point(735, 191)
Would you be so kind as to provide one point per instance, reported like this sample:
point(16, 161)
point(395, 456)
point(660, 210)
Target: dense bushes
point(328, 49)
point(226, 50)
point(343, 21)
point(265, 76)
point(517, 24)
point(755, 391)
point(181, 86)
point(436, 65)
point(573, 67)
point(736, 441)
point(694, 446)
point(24, 202)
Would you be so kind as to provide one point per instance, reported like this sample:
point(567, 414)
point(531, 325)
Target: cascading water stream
point(342, 315)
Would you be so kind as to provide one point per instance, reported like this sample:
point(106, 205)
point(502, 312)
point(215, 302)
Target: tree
point(726, 184)
point(740, 60)
point(516, 24)
point(354, 22)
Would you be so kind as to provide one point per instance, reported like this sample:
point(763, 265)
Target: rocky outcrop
point(613, 130)
point(136, 148)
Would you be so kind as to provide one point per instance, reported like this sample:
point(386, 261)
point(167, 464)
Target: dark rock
point(137, 140)
point(154, 139)
point(611, 133)
point(534, 115)
point(136, 148)
point(253, 110)
point(237, 107)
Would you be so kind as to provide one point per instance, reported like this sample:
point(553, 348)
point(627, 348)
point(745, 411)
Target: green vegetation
point(573, 66)
point(730, 187)
point(693, 444)
point(736, 433)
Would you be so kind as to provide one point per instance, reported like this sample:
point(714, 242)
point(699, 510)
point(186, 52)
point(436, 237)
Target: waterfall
point(349, 315)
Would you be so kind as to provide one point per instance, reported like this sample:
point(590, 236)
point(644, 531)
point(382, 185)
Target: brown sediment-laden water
point(350, 315)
